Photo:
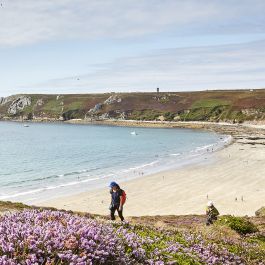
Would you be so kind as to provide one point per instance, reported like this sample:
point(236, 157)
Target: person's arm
point(120, 207)
point(110, 206)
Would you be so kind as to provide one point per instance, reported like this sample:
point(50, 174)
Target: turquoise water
point(43, 161)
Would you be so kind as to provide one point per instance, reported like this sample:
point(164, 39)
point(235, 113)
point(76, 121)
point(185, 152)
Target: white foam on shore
point(73, 183)
point(143, 166)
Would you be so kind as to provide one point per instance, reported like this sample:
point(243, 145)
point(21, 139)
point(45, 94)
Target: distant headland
point(233, 106)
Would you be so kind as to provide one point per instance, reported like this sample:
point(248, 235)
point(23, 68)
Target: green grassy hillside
point(233, 106)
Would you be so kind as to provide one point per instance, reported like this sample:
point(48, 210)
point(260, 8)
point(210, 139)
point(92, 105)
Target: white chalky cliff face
point(6, 100)
point(19, 104)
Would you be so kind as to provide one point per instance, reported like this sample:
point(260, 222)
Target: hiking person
point(211, 213)
point(118, 198)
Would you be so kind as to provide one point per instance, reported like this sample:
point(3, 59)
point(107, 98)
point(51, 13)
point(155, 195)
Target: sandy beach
point(234, 178)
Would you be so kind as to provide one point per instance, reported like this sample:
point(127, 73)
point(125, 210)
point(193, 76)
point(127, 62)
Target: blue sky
point(89, 46)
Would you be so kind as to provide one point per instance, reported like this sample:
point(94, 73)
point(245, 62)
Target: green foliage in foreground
point(239, 224)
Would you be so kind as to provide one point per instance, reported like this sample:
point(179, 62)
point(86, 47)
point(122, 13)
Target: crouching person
point(118, 198)
point(211, 213)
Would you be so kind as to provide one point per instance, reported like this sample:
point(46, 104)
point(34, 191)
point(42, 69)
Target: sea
point(42, 161)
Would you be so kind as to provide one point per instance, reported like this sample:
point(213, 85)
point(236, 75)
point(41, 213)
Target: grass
point(74, 105)
point(145, 115)
point(207, 109)
point(210, 103)
point(53, 107)
point(7, 206)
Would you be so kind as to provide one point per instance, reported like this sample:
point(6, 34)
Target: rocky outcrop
point(6, 100)
point(112, 99)
point(254, 113)
point(123, 116)
point(19, 104)
point(260, 212)
point(161, 118)
point(96, 109)
point(104, 116)
point(39, 102)
point(250, 112)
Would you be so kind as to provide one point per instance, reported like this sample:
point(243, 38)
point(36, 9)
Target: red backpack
point(123, 199)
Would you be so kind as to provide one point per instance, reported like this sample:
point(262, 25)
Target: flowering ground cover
point(56, 237)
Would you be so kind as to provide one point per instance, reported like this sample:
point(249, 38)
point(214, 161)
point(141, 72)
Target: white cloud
point(228, 66)
point(30, 22)
point(33, 21)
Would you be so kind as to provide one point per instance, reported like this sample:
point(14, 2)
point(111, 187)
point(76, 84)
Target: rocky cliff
point(233, 106)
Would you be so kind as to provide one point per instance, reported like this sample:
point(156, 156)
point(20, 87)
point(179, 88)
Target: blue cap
point(113, 184)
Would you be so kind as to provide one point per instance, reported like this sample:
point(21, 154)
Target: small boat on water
point(26, 125)
point(134, 133)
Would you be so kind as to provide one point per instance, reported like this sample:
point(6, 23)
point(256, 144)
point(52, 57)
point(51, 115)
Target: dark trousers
point(112, 213)
point(210, 219)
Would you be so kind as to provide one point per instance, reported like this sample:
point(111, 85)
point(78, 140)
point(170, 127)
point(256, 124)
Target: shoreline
point(235, 181)
point(219, 127)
